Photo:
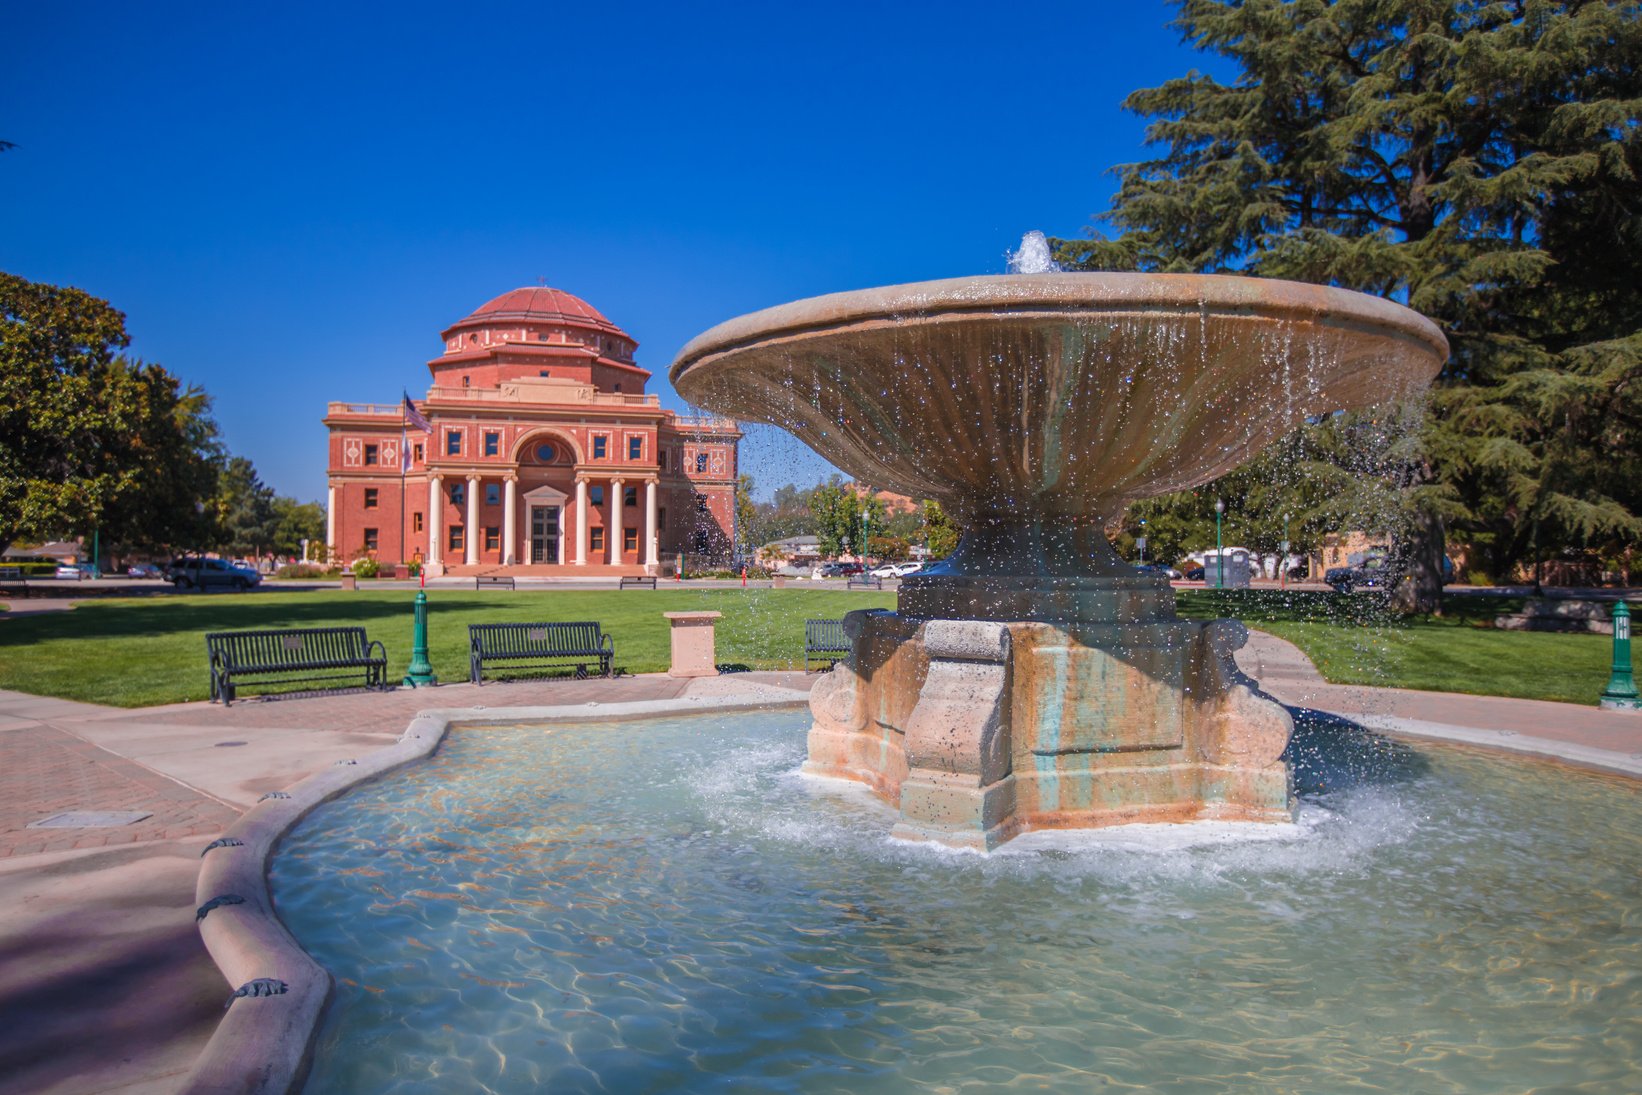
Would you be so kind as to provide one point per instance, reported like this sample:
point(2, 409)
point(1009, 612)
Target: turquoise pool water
point(669, 906)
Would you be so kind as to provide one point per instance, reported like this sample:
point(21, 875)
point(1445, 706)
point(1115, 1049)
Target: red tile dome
point(539, 304)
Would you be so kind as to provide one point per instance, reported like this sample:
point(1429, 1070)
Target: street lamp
point(1219, 555)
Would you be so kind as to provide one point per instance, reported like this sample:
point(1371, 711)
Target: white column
point(615, 521)
point(652, 556)
point(330, 521)
point(472, 534)
point(561, 536)
point(436, 509)
point(509, 528)
point(581, 522)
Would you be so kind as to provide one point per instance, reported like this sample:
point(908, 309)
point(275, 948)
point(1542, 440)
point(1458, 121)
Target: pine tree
point(1476, 160)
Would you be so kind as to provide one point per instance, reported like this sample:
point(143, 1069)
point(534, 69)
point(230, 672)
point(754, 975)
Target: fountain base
point(981, 729)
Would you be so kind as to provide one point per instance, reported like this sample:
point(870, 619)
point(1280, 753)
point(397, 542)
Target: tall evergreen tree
point(1477, 160)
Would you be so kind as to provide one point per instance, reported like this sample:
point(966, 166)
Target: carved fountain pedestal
point(1033, 680)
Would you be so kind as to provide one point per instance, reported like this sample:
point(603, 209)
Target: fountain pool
point(500, 918)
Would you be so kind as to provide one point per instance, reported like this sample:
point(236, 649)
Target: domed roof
point(541, 304)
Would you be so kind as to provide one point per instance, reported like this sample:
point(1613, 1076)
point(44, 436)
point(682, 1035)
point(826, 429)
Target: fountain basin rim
point(1063, 294)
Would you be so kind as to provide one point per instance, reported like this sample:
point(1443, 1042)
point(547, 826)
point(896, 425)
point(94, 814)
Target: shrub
point(366, 568)
point(303, 570)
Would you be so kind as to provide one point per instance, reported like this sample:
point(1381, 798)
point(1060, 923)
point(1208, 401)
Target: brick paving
point(45, 770)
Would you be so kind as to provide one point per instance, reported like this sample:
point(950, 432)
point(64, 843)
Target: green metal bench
point(539, 646)
point(826, 641)
point(294, 656)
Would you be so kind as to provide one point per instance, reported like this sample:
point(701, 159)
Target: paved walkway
point(104, 985)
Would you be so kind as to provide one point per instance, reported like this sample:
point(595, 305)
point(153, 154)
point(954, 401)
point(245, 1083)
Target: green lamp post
point(421, 670)
point(1620, 695)
point(1219, 555)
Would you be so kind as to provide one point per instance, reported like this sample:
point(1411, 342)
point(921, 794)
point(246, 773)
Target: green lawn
point(137, 652)
point(1353, 640)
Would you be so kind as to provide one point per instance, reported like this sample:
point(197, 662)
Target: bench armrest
point(376, 645)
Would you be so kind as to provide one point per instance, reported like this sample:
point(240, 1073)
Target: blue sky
point(289, 202)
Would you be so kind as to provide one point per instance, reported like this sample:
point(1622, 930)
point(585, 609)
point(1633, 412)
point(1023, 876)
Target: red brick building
point(546, 455)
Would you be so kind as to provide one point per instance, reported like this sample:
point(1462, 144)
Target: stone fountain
point(1033, 679)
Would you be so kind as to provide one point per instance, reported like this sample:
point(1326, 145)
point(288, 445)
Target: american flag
point(415, 417)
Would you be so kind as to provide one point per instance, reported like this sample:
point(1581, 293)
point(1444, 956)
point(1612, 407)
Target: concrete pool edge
point(264, 1043)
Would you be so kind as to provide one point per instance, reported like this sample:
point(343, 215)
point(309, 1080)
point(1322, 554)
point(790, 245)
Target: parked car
point(834, 570)
point(204, 574)
point(903, 569)
point(887, 570)
point(76, 572)
point(1193, 573)
point(1159, 569)
point(143, 570)
point(1376, 572)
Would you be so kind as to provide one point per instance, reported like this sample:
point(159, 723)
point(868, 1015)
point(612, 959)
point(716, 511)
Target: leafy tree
point(746, 512)
point(294, 522)
point(245, 509)
point(1478, 160)
point(940, 531)
point(90, 440)
point(837, 513)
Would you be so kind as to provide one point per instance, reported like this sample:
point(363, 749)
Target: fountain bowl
point(1061, 395)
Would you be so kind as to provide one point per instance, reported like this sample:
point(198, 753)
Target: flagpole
point(404, 465)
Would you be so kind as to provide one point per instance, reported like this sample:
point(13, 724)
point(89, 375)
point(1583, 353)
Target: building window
point(493, 538)
point(456, 540)
point(493, 494)
point(629, 539)
point(546, 453)
point(544, 372)
point(458, 494)
point(630, 497)
point(618, 386)
point(662, 457)
point(493, 442)
point(595, 539)
point(635, 448)
point(416, 522)
point(417, 449)
point(466, 381)
point(595, 495)
point(600, 444)
point(453, 442)
point(370, 497)
point(701, 462)
point(370, 539)
point(370, 454)
point(661, 517)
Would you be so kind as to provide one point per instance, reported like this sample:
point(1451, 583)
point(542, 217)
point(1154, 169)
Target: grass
point(138, 652)
point(1355, 640)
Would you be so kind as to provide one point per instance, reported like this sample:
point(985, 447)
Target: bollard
point(1620, 695)
point(420, 671)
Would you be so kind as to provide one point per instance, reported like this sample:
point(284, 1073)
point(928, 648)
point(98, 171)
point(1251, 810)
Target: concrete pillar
point(581, 522)
point(692, 642)
point(616, 501)
point(436, 509)
point(330, 521)
point(510, 541)
point(472, 534)
point(652, 556)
